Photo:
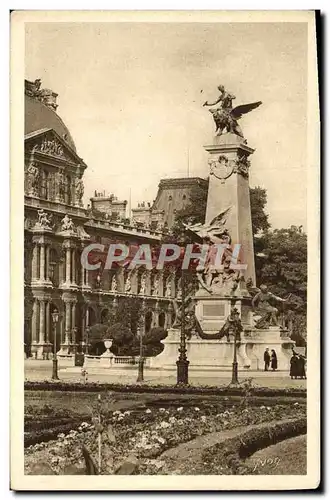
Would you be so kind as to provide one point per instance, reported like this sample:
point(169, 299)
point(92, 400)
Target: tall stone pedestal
point(229, 189)
point(217, 355)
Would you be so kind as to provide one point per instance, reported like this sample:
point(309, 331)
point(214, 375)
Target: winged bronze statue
point(226, 117)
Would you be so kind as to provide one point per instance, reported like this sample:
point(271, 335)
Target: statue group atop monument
point(225, 116)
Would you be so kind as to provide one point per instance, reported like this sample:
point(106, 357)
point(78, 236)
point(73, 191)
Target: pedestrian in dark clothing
point(273, 360)
point(266, 359)
point(294, 370)
point(301, 366)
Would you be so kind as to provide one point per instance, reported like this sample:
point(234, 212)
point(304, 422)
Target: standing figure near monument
point(294, 361)
point(266, 359)
point(273, 360)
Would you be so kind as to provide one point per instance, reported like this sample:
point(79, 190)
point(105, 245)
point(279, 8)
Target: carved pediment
point(47, 142)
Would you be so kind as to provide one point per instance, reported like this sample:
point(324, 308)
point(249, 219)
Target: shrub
point(155, 335)
point(98, 332)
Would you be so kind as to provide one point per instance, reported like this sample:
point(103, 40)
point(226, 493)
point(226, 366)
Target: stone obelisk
point(229, 189)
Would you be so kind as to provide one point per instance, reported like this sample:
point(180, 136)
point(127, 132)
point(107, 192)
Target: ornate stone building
point(173, 195)
point(58, 227)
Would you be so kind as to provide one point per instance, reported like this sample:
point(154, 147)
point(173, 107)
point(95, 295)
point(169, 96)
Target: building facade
point(57, 228)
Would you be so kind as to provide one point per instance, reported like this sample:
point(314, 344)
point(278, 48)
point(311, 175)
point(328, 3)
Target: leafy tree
point(281, 264)
point(258, 201)
point(127, 313)
point(195, 212)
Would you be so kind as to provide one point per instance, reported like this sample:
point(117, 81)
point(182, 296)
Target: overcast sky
point(131, 95)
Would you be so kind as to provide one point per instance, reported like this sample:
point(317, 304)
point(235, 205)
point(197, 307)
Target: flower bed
point(146, 433)
point(162, 389)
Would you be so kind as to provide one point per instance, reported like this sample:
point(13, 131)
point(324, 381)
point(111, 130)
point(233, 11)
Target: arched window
point(104, 316)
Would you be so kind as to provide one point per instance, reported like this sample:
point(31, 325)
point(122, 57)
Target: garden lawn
point(287, 457)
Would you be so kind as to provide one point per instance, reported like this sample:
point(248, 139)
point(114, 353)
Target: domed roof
point(39, 116)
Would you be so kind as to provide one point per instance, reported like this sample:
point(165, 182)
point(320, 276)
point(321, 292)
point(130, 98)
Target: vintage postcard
point(165, 251)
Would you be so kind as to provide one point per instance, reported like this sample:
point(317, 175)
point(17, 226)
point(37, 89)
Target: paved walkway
point(38, 370)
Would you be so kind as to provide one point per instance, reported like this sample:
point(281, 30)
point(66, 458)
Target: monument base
point(209, 355)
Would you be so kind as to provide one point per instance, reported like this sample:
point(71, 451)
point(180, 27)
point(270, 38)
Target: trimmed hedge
point(49, 423)
point(161, 389)
point(42, 435)
point(232, 453)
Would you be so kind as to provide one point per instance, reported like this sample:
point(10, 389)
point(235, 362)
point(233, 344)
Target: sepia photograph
point(165, 264)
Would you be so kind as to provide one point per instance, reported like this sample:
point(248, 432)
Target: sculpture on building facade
point(32, 89)
point(262, 305)
point(61, 186)
point(128, 286)
point(155, 290)
point(143, 284)
point(49, 146)
point(225, 116)
point(67, 224)
point(114, 284)
point(32, 179)
point(79, 190)
point(168, 290)
point(44, 219)
point(46, 96)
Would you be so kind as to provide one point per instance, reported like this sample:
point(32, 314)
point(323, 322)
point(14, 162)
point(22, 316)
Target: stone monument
point(232, 284)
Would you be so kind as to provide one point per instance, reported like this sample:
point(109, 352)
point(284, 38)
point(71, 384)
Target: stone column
point(68, 266)
point(34, 325)
point(73, 322)
point(67, 321)
point(35, 273)
point(87, 317)
point(155, 314)
point(47, 262)
point(121, 279)
point(83, 327)
point(148, 282)
point(42, 262)
point(42, 322)
point(48, 323)
point(161, 284)
point(73, 265)
point(82, 273)
point(169, 312)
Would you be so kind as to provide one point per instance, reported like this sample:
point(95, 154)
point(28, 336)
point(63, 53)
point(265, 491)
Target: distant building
point(173, 195)
point(109, 204)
